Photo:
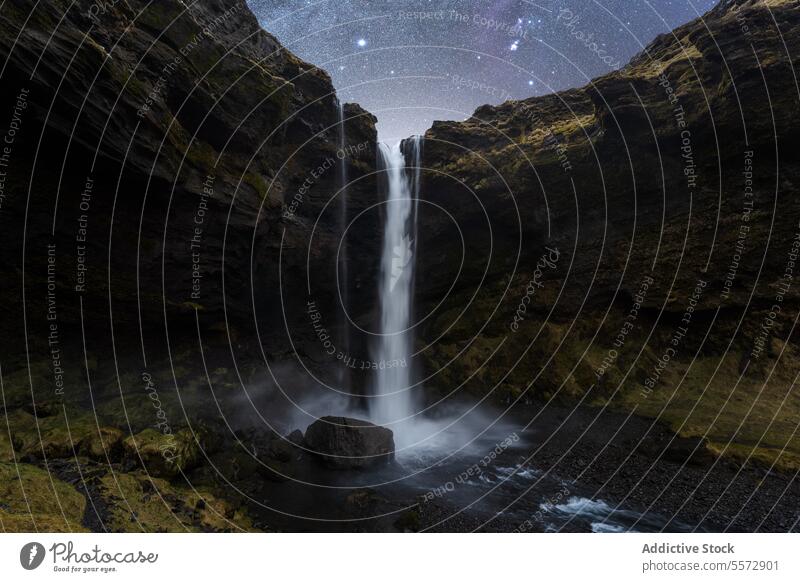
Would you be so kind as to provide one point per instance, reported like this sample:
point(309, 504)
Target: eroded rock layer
point(633, 241)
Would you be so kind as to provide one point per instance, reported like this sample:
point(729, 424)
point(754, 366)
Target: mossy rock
point(55, 437)
point(163, 455)
point(104, 444)
point(138, 502)
point(17, 523)
point(32, 499)
point(6, 448)
point(35, 437)
point(137, 414)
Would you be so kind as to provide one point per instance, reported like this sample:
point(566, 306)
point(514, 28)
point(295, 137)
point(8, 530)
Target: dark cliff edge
point(161, 154)
point(167, 211)
point(161, 151)
point(657, 201)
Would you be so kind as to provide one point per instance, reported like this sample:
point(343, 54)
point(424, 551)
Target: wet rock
point(349, 443)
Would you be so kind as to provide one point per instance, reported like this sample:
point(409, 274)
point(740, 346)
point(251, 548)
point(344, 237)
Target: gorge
point(563, 306)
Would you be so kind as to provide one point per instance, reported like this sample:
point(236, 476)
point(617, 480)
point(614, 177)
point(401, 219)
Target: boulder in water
point(349, 443)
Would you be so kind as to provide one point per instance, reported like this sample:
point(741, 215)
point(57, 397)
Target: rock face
point(619, 139)
point(665, 188)
point(159, 144)
point(349, 443)
point(157, 150)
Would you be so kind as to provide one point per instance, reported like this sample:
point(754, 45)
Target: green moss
point(705, 402)
point(58, 438)
point(104, 444)
point(763, 456)
point(163, 455)
point(134, 504)
point(6, 449)
point(33, 499)
point(52, 436)
point(138, 502)
point(258, 184)
point(22, 523)
point(202, 156)
point(694, 396)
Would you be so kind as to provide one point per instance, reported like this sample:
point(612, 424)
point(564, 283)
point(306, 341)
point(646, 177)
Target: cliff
point(626, 243)
point(167, 176)
point(163, 154)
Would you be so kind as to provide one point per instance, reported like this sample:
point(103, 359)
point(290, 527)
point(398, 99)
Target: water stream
point(344, 293)
point(393, 404)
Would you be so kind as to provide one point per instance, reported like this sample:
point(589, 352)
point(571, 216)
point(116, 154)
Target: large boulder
point(349, 443)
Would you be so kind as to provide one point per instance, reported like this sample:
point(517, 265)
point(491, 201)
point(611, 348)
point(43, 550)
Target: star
point(426, 48)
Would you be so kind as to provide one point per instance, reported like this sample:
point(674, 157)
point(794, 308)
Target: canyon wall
point(163, 154)
point(632, 242)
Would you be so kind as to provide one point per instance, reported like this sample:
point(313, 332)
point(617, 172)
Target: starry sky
point(413, 61)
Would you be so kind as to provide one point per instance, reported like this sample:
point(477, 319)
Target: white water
point(344, 334)
point(393, 402)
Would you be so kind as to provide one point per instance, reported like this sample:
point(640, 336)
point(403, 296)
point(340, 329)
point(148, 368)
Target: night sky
point(412, 61)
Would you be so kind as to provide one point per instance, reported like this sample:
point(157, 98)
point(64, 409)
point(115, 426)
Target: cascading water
point(344, 335)
point(393, 401)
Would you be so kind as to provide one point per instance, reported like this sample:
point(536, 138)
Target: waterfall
point(344, 333)
point(393, 396)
